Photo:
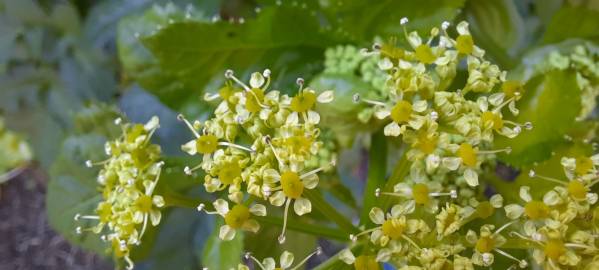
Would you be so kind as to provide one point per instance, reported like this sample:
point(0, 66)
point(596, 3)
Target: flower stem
point(307, 228)
point(399, 172)
point(377, 170)
point(329, 211)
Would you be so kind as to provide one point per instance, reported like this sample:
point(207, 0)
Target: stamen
point(189, 171)
point(118, 121)
point(410, 241)
point(282, 235)
point(249, 256)
point(452, 193)
point(354, 237)
point(377, 192)
point(143, 228)
point(332, 163)
point(229, 74)
point(316, 252)
point(130, 263)
point(574, 245)
point(89, 163)
point(79, 216)
point(445, 25)
point(507, 150)
point(235, 146)
point(373, 102)
point(498, 108)
point(503, 227)
point(268, 141)
point(533, 174)
point(434, 115)
point(200, 207)
point(300, 83)
point(521, 263)
point(401, 195)
point(180, 117)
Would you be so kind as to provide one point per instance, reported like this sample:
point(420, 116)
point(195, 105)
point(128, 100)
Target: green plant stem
point(334, 263)
point(329, 211)
point(377, 169)
point(399, 172)
point(308, 228)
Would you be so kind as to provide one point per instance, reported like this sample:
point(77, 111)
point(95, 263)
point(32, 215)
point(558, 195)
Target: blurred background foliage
point(68, 68)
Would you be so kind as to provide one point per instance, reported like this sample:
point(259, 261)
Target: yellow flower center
point(493, 118)
point(252, 101)
point(554, 249)
point(467, 154)
point(464, 44)
point(393, 228)
point(401, 112)
point(206, 144)
point(511, 87)
point(536, 210)
point(238, 215)
point(226, 92)
point(583, 165)
point(365, 262)
point(577, 190)
point(144, 203)
point(303, 101)
point(104, 211)
point(292, 185)
point(299, 144)
point(229, 172)
point(420, 193)
point(426, 143)
point(424, 54)
point(484, 210)
point(485, 244)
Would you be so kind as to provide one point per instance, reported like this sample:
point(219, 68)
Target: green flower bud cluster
point(14, 153)
point(584, 60)
point(127, 180)
point(282, 141)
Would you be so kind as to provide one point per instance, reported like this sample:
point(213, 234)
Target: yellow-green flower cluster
point(127, 181)
point(584, 60)
point(450, 131)
point(14, 153)
point(259, 143)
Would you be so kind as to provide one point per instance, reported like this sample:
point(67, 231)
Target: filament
point(282, 235)
point(316, 252)
point(180, 117)
point(235, 146)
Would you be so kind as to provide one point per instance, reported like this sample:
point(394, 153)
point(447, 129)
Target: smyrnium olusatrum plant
point(260, 156)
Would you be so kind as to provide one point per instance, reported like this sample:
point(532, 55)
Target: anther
point(377, 192)
point(356, 98)
point(200, 207)
point(531, 173)
point(88, 163)
point(376, 47)
point(281, 239)
point(180, 117)
point(318, 251)
point(300, 81)
point(453, 194)
point(434, 115)
point(528, 125)
point(353, 237)
point(78, 230)
point(266, 73)
point(103, 238)
point(247, 255)
point(403, 21)
point(229, 74)
point(77, 216)
point(118, 121)
point(445, 25)
point(508, 150)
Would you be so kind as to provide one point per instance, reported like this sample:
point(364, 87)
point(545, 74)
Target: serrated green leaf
point(285, 40)
point(219, 254)
point(542, 98)
point(497, 26)
point(363, 20)
point(572, 22)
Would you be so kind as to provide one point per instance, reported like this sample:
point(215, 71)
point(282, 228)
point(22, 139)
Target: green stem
point(307, 228)
point(334, 263)
point(329, 211)
point(176, 200)
point(377, 170)
point(399, 172)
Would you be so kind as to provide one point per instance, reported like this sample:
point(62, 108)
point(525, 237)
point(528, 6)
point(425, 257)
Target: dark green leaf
point(377, 172)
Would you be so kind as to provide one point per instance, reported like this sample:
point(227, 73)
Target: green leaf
point(363, 20)
point(572, 22)
point(73, 189)
point(551, 103)
point(497, 26)
point(285, 40)
point(219, 254)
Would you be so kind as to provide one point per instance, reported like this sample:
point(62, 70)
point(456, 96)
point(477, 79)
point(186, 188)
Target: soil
point(26, 240)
